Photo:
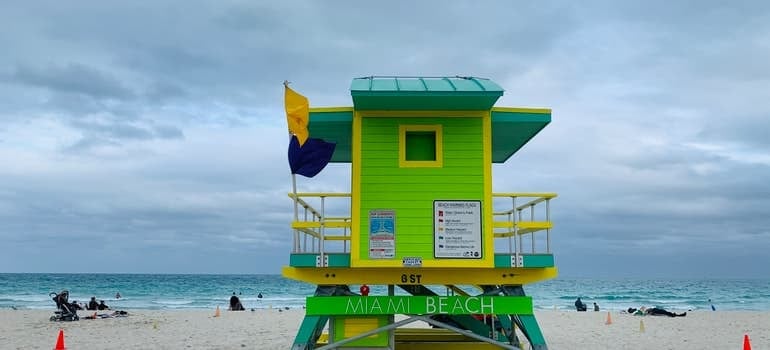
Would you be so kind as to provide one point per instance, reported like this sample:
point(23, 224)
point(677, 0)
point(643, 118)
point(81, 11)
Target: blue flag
point(309, 159)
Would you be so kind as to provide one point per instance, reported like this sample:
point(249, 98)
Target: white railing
point(314, 224)
point(529, 218)
point(319, 223)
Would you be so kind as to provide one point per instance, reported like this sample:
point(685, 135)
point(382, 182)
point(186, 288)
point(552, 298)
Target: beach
point(271, 329)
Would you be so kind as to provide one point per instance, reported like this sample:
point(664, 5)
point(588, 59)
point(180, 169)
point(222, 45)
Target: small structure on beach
point(422, 233)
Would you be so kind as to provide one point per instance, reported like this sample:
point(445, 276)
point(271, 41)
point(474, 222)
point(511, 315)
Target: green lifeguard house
point(422, 228)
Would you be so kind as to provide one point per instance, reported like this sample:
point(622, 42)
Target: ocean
point(151, 291)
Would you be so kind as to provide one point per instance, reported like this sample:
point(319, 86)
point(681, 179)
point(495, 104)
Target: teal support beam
point(531, 329)
point(309, 332)
point(527, 323)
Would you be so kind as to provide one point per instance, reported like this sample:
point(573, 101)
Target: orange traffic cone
point(609, 318)
point(60, 341)
point(216, 313)
point(746, 342)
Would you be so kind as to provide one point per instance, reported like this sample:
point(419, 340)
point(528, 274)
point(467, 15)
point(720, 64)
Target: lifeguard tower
point(422, 232)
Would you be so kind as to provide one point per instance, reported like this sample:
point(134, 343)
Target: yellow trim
point(487, 261)
point(526, 194)
point(487, 225)
point(356, 325)
point(522, 110)
point(317, 235)
point(330, 109)
point(319, 194)
point(437, 129)
point(524, 224)
point(428, 337)
point(436, 276)
point(447, 343)
point(421, 114)
point(336, 238)
point(317, 224)
point(355, 186)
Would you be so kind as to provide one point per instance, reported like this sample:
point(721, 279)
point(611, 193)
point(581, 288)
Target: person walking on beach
point(596, 307)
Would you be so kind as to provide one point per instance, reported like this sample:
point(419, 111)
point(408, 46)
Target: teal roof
point(512, 129)
point(334, 127)
point(424, 93)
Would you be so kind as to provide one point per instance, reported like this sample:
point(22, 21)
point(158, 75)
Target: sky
point(150, 136)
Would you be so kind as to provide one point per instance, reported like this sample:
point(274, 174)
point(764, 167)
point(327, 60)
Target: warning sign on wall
point(457, 229)
point(382, 234)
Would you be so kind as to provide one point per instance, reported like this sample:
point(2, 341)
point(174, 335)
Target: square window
point(420, 146)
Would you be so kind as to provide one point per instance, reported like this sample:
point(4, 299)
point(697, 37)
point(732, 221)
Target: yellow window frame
point(403, 163)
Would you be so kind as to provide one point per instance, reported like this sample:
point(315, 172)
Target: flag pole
point(294, 192)
point(296, 210)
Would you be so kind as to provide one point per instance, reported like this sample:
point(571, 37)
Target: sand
point(270, 329)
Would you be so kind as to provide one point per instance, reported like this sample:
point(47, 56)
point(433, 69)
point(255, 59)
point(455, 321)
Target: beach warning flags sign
point(60, 341)
point(746, 342)
point(609, 318)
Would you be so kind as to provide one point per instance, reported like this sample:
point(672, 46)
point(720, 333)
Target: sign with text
point(457, 229)
point(382, 234)
point(419, 305)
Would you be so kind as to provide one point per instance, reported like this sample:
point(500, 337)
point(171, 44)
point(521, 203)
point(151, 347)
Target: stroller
point(65, 311)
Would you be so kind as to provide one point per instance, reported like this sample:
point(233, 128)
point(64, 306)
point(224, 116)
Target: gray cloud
point(73, 78)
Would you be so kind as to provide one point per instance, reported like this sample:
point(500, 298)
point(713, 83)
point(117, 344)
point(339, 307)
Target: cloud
point(73, 78)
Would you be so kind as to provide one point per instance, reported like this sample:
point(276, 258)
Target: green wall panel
point(411, 191)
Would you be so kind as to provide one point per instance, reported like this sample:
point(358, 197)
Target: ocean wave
point(172, 302)
point(25, 298)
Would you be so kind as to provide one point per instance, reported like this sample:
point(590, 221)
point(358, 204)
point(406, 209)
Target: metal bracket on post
point(517, 260)
point(318, 261)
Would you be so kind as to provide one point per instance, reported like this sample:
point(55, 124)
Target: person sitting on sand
point(580, 305)
point(654, 311)
point(74, 305)
point(596, 307)
point(102, 305)
point(92, 305)
point(235, 303)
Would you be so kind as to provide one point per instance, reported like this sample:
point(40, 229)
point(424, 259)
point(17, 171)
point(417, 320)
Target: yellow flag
point(297, 114)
